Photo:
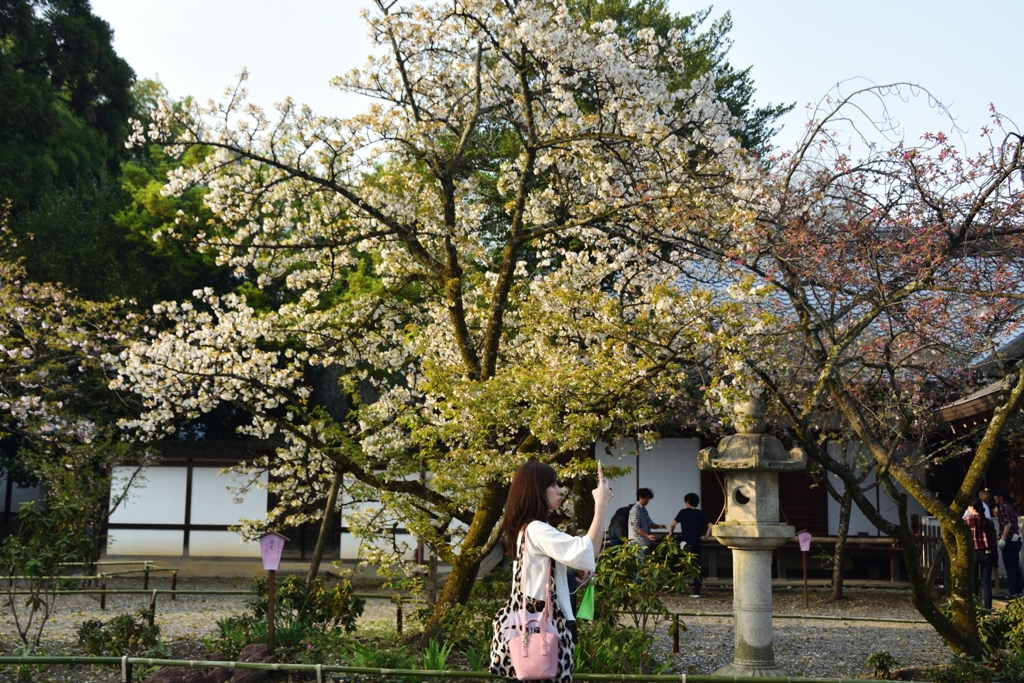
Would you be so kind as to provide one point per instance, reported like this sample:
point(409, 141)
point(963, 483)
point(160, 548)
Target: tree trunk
point(839, 557)
point(326, 527)
point(959, 629)
point(466, 563)
point(961, 591)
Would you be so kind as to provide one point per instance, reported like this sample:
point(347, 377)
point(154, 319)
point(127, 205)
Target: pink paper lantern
point(804, 539)
point(271, 547)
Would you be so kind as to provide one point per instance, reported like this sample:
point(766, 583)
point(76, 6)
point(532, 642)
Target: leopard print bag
point(501, 661)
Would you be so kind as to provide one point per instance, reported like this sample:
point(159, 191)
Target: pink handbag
point(532, 638)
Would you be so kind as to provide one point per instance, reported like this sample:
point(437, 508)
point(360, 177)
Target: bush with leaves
point(881, 663)
point(374, 657)
point(1002, 634)
point(125, 634)
point(32, 560)
point(606, 649)
point(316, 605)
point(308, 620)
point(628, 587)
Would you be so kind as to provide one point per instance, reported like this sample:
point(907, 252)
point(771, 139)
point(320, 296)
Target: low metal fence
point(147, 568)
point(399, 600)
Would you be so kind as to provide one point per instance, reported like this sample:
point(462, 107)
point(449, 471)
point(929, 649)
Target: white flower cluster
point(210, 355)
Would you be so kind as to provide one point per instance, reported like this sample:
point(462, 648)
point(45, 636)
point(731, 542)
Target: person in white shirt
point(533, 494)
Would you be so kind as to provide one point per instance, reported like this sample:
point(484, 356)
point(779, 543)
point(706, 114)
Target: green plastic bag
point(586, 608)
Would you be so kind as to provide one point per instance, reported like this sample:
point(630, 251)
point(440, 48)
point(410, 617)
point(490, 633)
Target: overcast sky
point(967, 54)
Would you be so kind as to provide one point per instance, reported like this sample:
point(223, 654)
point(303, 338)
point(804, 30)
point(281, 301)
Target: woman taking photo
point(542, 554)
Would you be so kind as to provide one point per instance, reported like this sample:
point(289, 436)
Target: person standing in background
point(1009, 541)
point(986, 502)
point(984, 534)
point(694, 529)
point(618, 527)
point(640, 523)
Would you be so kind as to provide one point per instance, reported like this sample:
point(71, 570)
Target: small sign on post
point(804, 539)
point(271, 548)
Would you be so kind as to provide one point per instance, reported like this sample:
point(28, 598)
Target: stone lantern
point(751, 461)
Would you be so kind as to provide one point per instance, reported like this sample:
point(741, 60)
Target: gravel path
point(805, 647)
point(811, 647)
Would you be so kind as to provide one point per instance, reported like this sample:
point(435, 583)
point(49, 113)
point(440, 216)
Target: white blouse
point(545, 541)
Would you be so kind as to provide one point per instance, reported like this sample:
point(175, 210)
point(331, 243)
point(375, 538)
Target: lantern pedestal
point(751, 461)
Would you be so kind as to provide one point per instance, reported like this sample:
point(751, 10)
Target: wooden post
point(804, 554)
point(152, 608)
point(271, 548)
point(432, 578)
point(270, 609)
point(804, 538)
point(675, 634)
point(174, 584)
point(103, 595)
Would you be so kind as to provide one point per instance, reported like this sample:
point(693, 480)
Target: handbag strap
point(522, 580)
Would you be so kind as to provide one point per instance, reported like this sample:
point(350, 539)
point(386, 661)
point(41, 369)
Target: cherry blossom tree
point(890, 267)
point(481, 265)
point(57, 416)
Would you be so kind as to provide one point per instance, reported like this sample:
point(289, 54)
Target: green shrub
point(628, 587)
point(435, 655)
point(1002, 634)
point(234, 636)
point(963, 669)
point(881, 663)
point(607, 649)
point(45, 539)
point(308, 624)
point(376, 657)
point(1013, 627)
point(125, 634)
point(317, 606)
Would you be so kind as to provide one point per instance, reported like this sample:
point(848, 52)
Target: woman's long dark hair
point(527, 500)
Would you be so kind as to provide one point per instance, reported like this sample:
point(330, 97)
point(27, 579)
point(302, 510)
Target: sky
point(966, 54)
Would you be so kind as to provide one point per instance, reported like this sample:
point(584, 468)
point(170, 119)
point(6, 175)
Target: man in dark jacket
point(618, 526)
